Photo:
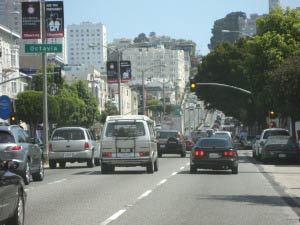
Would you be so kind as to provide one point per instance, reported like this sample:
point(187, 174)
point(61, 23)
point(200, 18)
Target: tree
point(110, 110)
point(29, 107)
point(141, 38)
point(284, 85)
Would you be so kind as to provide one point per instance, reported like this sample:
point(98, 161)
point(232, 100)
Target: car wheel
point(19, 214)
point(104, 168)
point(254, 154)
point(39, 176)
point(193, 169)
point(91, 162)
point(183, 154)
point(62, 165)
point(150, 167)
point(235, 170)
point(27, 174)
point(97, 162)
point(156, 165)
point(159, 154)
point(52, 164)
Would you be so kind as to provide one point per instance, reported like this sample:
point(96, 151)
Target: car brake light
point(198, 153)
point(107, 154)
point(86, 146)
point(229, 153)
point(144, 153)
point(296, 148)
point(50, 147)
point(14, 148)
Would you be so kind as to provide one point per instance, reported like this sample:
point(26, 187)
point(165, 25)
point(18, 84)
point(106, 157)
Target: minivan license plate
point(68, 155)
point(125, 155)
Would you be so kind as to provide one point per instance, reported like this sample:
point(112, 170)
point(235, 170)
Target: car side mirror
point(262, 143)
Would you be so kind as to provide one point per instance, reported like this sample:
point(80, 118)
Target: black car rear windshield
point(213, 143)
point(6, 137)
point(125, 129)
point(68, 134)
point(166, 134)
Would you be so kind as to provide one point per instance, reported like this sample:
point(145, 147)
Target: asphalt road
point(82, 196)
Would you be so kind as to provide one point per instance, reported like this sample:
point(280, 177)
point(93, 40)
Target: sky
point(188, 19)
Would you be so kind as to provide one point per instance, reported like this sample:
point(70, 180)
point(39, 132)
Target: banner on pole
point(31, 17)
point(54, 14)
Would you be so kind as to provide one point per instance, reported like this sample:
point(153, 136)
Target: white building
point(9, 64)
point(157, 63)
point(86, 45)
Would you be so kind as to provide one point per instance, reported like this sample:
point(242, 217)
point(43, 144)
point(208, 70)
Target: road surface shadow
point(213, 172)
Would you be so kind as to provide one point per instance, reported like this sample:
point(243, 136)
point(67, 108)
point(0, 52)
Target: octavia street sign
point(43, 48)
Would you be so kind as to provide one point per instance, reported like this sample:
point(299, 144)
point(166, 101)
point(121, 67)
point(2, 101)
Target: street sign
point(43, 48)
point(4, 107)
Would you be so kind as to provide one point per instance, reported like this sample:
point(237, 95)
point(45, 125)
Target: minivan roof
point(128, 117)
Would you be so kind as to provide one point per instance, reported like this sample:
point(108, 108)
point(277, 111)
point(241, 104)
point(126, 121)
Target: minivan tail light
point(14, 148)
point(107, 154)
point(86, 146)
point(144, 153)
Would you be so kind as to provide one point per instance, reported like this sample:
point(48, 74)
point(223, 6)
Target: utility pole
point(44, 69)
point(119, 81)
point(143, 92)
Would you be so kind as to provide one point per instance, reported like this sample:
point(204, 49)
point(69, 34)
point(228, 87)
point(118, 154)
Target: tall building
point(86, 45)
point(273, 4)
point(10, 14)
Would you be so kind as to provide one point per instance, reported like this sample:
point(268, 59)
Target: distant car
point(280, 148)
point(209, 132)
point(73, 144)
point(16, 145)
point(223, 134)
point(12, 195)
point(260, 139)
point(171, 142)
point(214, 153)
point(189, 143)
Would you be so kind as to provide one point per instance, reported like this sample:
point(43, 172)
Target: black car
point(214, 153)
point(12, 195)
point(170, 142)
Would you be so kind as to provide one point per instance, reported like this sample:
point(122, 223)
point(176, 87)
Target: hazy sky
point(188, 19)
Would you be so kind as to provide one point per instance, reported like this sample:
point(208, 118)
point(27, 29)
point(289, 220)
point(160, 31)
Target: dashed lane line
point(58, 181)
point(162, 182)
point(113, 217)
point(145, 194)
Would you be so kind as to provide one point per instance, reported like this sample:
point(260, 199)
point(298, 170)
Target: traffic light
point(193, 85)
point(272, 114)
point(13, 118)
point(57, 74)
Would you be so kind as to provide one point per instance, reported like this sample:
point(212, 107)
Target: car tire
point(193, 169)
point(150, 167)
point(104, 168)
point(97, 162)
point(39, 176)
point(27, 177)
point(235, 170)
point(52, 164)
point(62, 165)
point(254, 154)
point(183, 154)
point(19, 214)
point(156, 165)
point(91, 162)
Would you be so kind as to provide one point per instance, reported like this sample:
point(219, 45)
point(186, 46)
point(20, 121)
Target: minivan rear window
point(6, 137)
point(275, 133)
point(125, 129)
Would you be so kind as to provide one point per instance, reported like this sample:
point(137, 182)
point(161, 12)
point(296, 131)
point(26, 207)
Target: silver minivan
point(73, 144)
point(127, 141)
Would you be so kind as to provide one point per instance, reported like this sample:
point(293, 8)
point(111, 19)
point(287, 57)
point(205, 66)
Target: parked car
point(16, 145)
point(170, 142)
point(280, 148)
point(128, 140)
point(189, 143)
point(214, 153)
point(12, 194)
point(73, 144)
point(260, 139)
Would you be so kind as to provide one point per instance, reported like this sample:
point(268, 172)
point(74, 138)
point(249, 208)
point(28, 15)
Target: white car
point(261, 139)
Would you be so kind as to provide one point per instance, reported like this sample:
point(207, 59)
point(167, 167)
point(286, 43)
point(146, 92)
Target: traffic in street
point(80, 195)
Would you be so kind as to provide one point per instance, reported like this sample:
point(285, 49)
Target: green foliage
point(142, 37)
point(110, 110)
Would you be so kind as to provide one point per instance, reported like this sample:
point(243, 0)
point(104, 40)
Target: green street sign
point(43, 48)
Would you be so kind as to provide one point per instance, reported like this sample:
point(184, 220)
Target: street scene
point(182, 114)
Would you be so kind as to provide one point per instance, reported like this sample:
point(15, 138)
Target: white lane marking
point(113, 217)
point(181, 168)
point(58, 181)
point(173, 174)
point(163, 181)
point(188, 164)
point(145, 194)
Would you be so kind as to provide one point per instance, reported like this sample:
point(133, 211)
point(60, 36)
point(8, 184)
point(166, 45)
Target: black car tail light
point(198, 153)
point(14, 148)
point(229, 153)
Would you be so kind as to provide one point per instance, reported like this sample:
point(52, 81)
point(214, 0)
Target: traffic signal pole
point(45, 92)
